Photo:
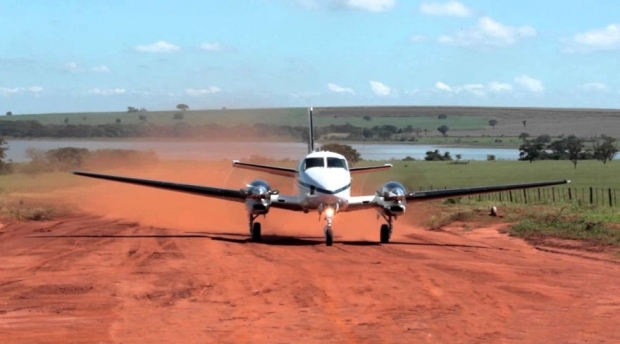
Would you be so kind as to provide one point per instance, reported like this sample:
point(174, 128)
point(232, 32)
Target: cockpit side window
point(314, 162)
point(336, 163)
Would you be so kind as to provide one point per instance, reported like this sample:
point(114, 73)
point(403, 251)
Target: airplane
point(323, 181)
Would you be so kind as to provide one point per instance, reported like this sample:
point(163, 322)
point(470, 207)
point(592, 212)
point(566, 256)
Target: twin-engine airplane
point(324, 185)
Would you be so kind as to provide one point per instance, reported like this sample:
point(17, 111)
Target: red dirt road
point(87, 279)
point(137, 265)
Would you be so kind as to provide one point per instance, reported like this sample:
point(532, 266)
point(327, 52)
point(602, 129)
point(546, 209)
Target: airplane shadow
point(267, 239)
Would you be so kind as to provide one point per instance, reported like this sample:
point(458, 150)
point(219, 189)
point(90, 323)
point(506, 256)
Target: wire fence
point(584, 195)
point(589, 195)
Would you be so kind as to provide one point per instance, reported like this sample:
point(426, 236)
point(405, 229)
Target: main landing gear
point(255, 230)
point(386, 229)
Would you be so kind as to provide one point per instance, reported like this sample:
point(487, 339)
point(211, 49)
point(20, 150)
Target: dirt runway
point(135, 265)
point(87, 279)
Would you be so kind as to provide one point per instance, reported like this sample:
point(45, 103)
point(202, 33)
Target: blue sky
point(105, 55)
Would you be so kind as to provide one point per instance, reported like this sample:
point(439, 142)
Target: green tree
point(9, 113)
point(524, 136)
point(493, 123)
point(350, 153)
point(437, 156)
point(574, 146)
point(5, 167)
point(182, 107)
point(443, 130)
point(606, 150)
point(544, 138)
point(531, 150)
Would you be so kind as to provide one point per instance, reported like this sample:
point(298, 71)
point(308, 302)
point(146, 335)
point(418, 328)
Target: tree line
point(571, 147)
point(34, 129)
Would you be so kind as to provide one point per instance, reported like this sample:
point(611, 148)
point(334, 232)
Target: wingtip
point(567, 181)
point(235, 162)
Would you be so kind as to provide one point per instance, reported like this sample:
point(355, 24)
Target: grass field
point(440, 174)
point(462, 121)
point(279, 116)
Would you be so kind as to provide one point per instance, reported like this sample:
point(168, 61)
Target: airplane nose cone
point(329, 180)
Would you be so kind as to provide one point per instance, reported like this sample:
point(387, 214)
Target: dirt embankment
point(135, 265)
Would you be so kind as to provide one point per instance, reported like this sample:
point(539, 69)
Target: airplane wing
point(429, 195)
point(237, 195)
point(375, 201)
point(354, 170)
point(281, 171)
point(227, 194)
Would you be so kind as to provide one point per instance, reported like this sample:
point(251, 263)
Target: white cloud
point(101, 69)
point(490, 33)
point(380, 88)
point(595, 86)
point(451, 8)
point(71, 67)
point(529, 83)
point(339, 89)
point(443, 87)
point(607, 38)
point(496, 86)
point(7, 91)
point(198, 92)
point(369, 5)
point(475, 89)
point(417, 38)
point(158, 47)
point(107, 92)
point(211, 47)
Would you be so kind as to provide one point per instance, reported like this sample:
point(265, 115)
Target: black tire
point(329, 237)
point(256, 232)
point(385, 234)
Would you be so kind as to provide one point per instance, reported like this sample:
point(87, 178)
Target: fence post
point(591, 195)
point(525, 196)
point(610, 198)
point(510, 194)
point(570, 195)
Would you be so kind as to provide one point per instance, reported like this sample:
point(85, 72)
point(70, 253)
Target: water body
point(243, 150)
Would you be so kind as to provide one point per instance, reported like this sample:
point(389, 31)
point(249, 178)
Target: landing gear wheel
point(329, 237)
point(386, 233)
point(256, 234)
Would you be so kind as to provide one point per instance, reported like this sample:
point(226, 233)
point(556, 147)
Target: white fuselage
point(324, 180)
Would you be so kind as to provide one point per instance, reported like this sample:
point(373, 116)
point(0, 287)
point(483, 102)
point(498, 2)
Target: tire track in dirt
point(156, 284)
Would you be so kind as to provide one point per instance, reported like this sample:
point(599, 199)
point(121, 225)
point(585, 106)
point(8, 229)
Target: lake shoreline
point(218, 150)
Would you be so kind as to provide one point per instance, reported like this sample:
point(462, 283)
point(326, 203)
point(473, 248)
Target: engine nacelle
point(258, 197)
point(394, 199)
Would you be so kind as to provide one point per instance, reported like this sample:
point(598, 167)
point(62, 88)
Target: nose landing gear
point(329, 234)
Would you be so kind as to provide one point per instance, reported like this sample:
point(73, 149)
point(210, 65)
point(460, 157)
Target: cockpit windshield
point(314, 162)
point(336, 163)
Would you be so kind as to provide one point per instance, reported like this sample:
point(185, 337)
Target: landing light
point(329, 212)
